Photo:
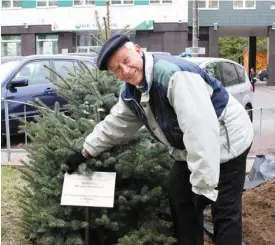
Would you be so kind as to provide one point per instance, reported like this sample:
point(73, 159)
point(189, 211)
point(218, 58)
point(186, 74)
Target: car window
point(241, 73)
point(230, 76)
point(35, 72)
point(89, 65)
point(6, 69)
point(63, 67)
point(213, 70)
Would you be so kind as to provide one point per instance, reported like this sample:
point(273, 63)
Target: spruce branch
point(53, 71)
point(87, 69)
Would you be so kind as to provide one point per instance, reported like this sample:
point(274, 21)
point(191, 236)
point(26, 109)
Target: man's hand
point(74, 160)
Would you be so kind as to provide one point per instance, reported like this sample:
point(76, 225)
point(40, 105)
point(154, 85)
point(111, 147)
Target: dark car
point(25, 80)
point(262, 75)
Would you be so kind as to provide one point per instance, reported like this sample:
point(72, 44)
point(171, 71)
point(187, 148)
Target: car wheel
point(265, 79)
point(249, 112)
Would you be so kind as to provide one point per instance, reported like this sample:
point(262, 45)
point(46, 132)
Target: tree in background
point(236, 48)
point(232, 48)
point(140, 214)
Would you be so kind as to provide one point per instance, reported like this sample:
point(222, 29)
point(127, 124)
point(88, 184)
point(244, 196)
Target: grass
point(10, 211)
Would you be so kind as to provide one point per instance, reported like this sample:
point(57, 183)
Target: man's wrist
point(85, 153)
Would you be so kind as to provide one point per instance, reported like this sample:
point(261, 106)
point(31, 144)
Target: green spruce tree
point(140, 214)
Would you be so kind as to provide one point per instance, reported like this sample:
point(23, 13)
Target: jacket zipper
point(144, 115)
point(138, 106)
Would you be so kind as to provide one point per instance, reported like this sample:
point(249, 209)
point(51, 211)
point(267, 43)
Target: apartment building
point(240, 18)
point(61, 26)
point(64, 26)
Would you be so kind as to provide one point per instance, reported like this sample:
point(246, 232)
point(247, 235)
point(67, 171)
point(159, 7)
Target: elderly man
point(206, 130)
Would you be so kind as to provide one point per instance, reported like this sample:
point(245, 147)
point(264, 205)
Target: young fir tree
point(140, 214)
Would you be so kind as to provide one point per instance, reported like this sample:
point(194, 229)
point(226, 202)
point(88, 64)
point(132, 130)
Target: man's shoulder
point(164, 69)
point(166, 66)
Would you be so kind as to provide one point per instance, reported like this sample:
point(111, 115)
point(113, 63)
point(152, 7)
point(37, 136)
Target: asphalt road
point(264, 120)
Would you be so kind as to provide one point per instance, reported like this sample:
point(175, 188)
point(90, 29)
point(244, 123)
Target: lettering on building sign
point(92, 26)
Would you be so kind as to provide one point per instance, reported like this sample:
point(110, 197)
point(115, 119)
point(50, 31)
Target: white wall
point(67, 17)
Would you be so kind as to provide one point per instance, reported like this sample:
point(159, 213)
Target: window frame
point(207, 4)
point(241, 81)
point(45, 40)
point(215, 63)
point(88, 38)
point(64, 60)
point(222, 73)
point(12, 4)
point(243, 7)
point(83, 5)
point(88, 64)
point(19, 40)
point(32, 62)
point(47, 4)
point(160, 3)
point(122, 3)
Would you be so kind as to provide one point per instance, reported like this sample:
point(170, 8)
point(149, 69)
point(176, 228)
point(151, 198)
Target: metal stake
point(25, 117)
point(7, 122)
point(261, 114)
point(87, 229)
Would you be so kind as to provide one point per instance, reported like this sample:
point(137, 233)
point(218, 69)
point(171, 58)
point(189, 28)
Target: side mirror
point(18, 82)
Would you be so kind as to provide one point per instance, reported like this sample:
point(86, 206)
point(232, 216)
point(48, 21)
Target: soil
point(258, 215)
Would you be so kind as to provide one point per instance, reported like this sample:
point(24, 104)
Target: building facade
point(240, 18)
point(64, 26)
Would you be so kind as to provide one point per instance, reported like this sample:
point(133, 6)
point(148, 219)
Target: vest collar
point(148, 63)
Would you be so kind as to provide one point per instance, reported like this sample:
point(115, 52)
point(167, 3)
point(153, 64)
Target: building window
point(244, 4)
point(84, 2)
point(86, 44)
point(46, 44)
point(160, 1)
point(11, 3)
point(209, 4)
point(46, 3)
point(10, 45)
point(121, 2)
point(273, 4)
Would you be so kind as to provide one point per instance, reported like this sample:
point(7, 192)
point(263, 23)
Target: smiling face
point(127, 64)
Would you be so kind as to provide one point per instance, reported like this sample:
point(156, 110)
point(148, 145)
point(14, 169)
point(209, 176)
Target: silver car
point(232, 75)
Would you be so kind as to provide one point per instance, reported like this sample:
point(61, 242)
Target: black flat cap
point(108, 48)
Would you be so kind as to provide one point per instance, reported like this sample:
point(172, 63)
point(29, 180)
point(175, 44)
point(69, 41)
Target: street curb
point(11, 164)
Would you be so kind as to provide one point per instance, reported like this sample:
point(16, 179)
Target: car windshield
point(6, 68)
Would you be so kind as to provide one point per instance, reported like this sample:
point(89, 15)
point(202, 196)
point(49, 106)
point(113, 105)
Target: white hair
point(129, 45)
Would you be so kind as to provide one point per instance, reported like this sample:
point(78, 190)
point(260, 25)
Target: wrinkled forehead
point(118, 57)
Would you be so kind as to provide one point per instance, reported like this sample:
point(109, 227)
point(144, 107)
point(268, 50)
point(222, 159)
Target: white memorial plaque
point(96, 190)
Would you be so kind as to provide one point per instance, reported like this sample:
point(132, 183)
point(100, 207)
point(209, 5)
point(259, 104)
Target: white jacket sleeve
point(190, 97)
point(120, 124)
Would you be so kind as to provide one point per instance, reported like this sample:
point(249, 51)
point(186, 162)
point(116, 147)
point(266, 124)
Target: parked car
point(10, 58)
point(25, 80)
point(262, 75)
point(232, 75)
point(90, 54)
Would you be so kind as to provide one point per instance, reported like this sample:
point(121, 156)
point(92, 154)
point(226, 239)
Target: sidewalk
point(16, 157)
point(263, 84)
